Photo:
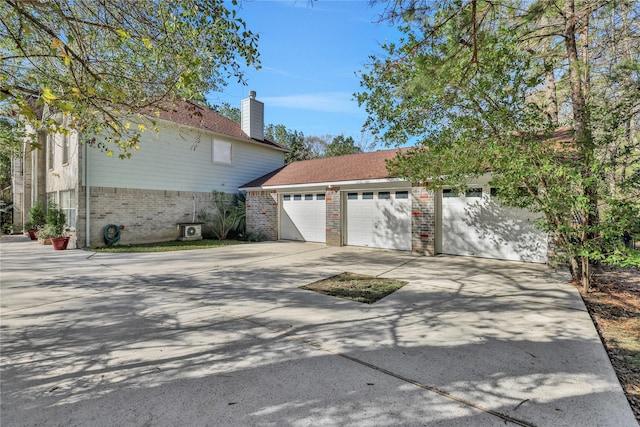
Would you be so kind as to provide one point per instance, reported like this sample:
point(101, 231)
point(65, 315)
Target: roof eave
point(324, 184)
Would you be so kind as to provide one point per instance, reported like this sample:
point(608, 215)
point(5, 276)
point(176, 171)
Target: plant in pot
point(37, 220)
point(55, 228)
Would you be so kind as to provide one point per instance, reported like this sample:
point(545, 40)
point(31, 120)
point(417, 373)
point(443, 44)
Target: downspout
point(34, 176)
point(87, 195)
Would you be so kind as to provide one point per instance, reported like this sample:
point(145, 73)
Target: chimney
point(252, 121)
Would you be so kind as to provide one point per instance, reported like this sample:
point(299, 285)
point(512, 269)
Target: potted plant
point(37, 220)
point(55, 228)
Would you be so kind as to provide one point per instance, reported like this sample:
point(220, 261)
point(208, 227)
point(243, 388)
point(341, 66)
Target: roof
point(191, 114)
point(355, 167)
point(351, 167)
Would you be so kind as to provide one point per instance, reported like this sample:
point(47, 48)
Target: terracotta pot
point(32, 234)
point(59, 243)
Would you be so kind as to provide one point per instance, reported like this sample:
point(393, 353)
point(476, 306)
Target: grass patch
point(174, 245)
point(356, 287)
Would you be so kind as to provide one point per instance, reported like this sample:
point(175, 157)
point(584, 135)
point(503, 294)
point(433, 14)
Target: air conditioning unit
point(190, 231)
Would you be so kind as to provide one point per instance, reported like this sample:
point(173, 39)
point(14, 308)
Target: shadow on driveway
point(125, 341)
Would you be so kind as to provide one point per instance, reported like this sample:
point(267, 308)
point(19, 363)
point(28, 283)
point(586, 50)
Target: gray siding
point(180, 159)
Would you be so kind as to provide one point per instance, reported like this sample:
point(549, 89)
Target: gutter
point(327, 184)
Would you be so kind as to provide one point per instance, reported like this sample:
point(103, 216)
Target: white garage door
point(303, 217)
point(475, 225)
point(379, 219)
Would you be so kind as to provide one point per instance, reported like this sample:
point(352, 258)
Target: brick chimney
point(252, 121)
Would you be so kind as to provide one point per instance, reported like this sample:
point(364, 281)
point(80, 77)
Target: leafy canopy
point(106, 62)
point(543, 94)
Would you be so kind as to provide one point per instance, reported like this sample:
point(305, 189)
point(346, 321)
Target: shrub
point(37, 217)
point(56, 221)
point(227, 217)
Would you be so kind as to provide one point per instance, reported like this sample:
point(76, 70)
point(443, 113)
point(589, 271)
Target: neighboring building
point(166, 182)
point(352, 200)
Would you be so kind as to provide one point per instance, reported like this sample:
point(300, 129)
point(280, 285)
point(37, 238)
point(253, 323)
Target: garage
point(379, 219)
point(303, 217)
point(475, 224)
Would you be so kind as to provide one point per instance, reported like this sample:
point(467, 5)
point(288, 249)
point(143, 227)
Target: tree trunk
point(586, 274)
point(574, 267)
point(583, 137)
point(550, 94)
point(551, 99)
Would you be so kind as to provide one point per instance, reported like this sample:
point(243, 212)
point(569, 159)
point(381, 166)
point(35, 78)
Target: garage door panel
point(288, 229)
point(482, 227)
point(379, 223)
point(303, 220)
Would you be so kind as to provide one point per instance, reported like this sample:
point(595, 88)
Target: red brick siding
point(262, 214)
point(423, 221)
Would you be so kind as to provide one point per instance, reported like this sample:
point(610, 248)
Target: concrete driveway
point(225, 337)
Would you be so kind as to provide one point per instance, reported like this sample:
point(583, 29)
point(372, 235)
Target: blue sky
point(311, 58)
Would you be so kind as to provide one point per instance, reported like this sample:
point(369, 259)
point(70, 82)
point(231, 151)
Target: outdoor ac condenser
point(190, 231)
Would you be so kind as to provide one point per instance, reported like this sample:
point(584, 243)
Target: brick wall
point(262, 214)
point(334, 216)
point(147, 215)
point(423, 221)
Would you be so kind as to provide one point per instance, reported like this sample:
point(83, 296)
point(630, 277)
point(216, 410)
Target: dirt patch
point(614, 305)
point(356, 287)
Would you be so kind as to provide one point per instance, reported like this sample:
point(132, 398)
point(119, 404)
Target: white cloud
point(329, 102)
point(283, 73)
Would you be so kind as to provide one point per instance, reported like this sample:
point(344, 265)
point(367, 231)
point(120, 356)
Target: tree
point(225, 109)
point(317, 144)
point(484, 85)
point(106, 62)
point(10, 144)
point(291, 139)
point(340, 146)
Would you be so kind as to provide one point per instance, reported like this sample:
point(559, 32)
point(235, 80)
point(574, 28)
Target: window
point(352, 196)
point(65, 148)
point(286, 197)
point(297, 197)
point(52, 198)
point(383, 195)
point(308, 196)
point(68, 206)
point(447, 192)
point(222, 152)
point(367, 196)
point(319, 196)
point(473, 192)
point(51, 146)
point(402, 194)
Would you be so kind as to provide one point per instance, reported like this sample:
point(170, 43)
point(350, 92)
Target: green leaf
point(67, 107)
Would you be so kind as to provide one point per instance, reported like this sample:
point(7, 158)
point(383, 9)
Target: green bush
point(37, 217)
point(227, 216)
point(56, 221)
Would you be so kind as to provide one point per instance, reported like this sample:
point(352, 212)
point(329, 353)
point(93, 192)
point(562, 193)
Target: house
point(165, 183)
point(352, 200)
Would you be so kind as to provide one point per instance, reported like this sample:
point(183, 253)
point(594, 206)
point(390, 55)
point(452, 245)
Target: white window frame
point(68, 206)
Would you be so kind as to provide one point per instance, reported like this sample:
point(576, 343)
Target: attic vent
point(190, 231)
